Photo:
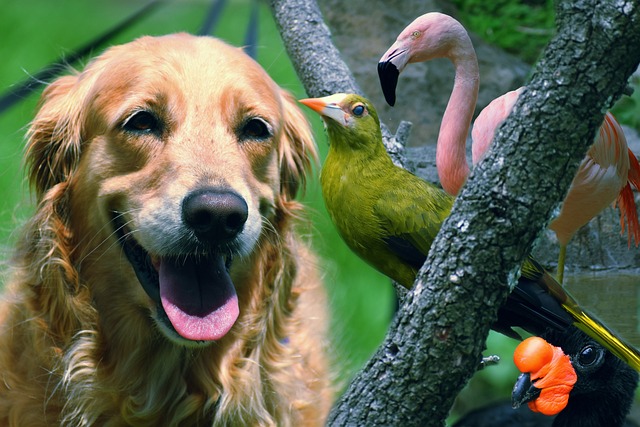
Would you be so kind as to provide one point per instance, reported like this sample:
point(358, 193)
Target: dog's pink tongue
point(198, 297)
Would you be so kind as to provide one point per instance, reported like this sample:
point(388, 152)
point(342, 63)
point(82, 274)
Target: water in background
point(614, 298)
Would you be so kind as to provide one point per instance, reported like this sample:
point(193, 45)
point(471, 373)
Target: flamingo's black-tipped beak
point(524, 391)
point(388, 74)
point(390, 66)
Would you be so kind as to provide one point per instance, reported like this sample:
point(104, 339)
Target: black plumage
point(601, 397)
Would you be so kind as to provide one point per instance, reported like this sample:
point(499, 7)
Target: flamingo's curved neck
point(451, 159)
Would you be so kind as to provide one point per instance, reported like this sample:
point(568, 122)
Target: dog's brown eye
point(142, 122)
point(255, 128)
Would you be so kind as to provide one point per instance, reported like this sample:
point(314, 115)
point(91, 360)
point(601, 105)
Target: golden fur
point(81, 341)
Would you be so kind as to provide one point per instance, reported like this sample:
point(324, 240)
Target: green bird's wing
point(412, 219)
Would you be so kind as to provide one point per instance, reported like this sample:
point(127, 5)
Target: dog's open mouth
point(194, 291)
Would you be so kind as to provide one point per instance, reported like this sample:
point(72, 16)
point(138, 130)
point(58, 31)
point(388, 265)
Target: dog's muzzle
point(194, 292)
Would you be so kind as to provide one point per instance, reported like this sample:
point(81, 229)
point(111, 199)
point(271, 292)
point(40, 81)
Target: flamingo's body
point(487, 122)
point(605, 175)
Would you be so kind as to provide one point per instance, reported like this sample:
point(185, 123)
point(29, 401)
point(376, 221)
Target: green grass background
point(34, 33)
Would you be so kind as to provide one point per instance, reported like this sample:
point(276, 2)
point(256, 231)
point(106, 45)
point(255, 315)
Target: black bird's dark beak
point(388, 74)
point(523, 391)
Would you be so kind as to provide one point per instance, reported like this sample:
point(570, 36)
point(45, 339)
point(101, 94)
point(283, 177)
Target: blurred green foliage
point(522, 28)
point(627, 109)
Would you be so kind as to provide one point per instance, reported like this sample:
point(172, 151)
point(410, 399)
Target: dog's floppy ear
point(55, 135)
point(297, 148)
point(52, 154)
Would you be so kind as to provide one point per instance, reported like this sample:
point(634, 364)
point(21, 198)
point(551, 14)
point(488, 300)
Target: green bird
point(360, 187)
point(390, 217)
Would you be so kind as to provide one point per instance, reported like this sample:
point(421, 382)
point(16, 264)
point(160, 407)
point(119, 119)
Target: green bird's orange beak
point(328, 107)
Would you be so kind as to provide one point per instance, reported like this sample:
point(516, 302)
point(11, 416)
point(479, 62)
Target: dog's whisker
point(98, 246)
point(268, 226)
point(94, 235)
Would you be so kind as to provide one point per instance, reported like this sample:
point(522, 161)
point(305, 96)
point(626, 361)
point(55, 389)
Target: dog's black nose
point(214, 215)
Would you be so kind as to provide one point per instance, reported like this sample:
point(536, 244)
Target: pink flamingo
point(604, 177)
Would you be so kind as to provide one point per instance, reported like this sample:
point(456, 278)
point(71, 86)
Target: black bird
point(601, 396)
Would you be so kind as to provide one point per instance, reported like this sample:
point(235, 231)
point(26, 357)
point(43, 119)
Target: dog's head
point(178, 151)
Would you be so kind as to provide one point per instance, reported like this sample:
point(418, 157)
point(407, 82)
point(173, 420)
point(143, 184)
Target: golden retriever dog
point(161, 281)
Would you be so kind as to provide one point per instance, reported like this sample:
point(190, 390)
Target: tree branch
point(434, 344)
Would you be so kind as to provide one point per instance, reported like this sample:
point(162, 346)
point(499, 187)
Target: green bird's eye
point(358, 110)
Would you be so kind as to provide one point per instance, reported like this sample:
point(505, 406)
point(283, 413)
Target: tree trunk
point(435, 342)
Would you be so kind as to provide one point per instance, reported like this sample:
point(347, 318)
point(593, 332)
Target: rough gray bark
point(433, 345)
